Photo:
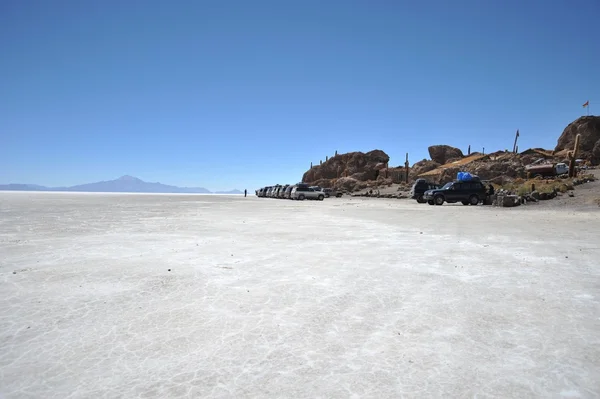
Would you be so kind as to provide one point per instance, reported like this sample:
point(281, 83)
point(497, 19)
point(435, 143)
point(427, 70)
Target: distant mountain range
point(124, 184)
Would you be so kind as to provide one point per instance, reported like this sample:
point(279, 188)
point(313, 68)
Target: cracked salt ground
point(337, 299)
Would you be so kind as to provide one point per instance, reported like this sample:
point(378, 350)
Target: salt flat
point(271, 298)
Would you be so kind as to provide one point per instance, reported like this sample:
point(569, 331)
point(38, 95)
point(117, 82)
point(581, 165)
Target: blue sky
point(240, 94)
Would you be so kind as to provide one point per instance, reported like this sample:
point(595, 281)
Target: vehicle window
point(447, 186)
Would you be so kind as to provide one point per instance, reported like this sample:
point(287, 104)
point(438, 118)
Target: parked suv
point(466, 192)
point(281, 193)
point(288, 192)
point(419, 188)
point(302, 192)
point(275, 190)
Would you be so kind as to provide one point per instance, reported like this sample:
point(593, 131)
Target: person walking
point(245, 193)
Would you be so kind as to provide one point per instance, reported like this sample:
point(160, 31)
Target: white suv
point(302, 192)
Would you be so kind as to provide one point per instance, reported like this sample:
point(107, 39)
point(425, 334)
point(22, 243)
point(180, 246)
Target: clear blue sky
point(240, 94)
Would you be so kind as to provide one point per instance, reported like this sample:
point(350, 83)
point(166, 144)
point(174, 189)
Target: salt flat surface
point(271, 298)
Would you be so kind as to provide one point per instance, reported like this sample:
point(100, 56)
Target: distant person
point(491, 190)
point(245, 193)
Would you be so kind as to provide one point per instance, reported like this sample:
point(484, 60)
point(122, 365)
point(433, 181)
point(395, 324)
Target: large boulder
point(357, 165)
point(345, 184)
point(596, 151)
point(421, 167)
point(442, 153)
point(589, 129)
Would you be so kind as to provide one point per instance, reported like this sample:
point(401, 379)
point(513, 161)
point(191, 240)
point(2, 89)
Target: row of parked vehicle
point(300, 192)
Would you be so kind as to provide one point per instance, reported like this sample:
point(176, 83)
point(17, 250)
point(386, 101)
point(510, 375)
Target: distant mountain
point(124, 184)
point(22, 187)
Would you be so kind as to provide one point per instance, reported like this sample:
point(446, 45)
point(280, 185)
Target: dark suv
point(419, 188)
point(466, 192)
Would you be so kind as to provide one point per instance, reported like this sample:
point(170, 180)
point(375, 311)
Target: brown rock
point(355, 165)
point(449, 174)
point(596, 150)
point(442, 153)
point(589, 129)
point(345, 184)
point(421, 167)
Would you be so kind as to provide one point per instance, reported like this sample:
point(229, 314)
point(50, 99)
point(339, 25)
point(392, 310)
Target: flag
point(587, 104)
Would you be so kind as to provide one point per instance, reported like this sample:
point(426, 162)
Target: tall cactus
point(406, 167)
point(573, 156)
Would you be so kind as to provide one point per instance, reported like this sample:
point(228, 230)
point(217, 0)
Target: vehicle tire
point(474, 200)
point(301, 198)
point(465, 202)
point(420, 199)
point(321, 198)
point(439, 200)
point(430, 202)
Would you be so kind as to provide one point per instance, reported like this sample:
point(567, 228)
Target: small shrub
point(523, 190)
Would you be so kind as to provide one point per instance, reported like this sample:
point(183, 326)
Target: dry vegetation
point(523, 186)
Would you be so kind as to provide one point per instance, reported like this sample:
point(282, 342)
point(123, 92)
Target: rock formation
point(421, 167)
point(345, 171)
point(589, 128)
point(443, 153)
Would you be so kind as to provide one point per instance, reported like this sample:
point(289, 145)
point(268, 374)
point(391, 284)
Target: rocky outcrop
point(589, 129)
point(442, 153)
point(510, 166)
point(596, 151)
point(344, 171)
point(421, 167)
point(500, 168)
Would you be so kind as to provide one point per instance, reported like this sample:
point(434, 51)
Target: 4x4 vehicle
point(466, 192)
point(281, 193)
point(302, 192)
point(288, 192)
point(329, 192)
point(419, 188)
point(275, 190)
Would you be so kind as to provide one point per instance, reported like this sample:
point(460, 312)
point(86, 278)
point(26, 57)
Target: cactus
point(406, 167)
point(336, 153)
point(573, 156)
point(311, 165)
point(326, 158)
point(469, 150)
point(320, 162)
